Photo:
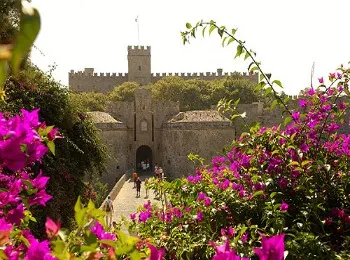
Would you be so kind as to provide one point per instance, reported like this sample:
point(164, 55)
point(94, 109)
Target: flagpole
point(138, 32)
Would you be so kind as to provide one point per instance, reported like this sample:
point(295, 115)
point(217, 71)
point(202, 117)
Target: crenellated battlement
point(139, 50)
point(84, 74)
point(205, 76)
point(139, 70)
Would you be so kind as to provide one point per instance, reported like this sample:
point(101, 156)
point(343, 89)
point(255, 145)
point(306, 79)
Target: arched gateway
point(143, 153)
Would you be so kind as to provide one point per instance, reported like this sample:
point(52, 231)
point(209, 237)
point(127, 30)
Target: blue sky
point(288, 36)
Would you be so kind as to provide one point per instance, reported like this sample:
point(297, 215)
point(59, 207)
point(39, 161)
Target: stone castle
point(157, 131)
point(139, 70)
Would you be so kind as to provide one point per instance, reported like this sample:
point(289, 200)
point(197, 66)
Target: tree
point(124, 92)
point(89, 101)
point(80, 152)
point(9, 20)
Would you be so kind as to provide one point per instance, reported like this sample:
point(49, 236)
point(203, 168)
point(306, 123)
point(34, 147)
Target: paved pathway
point(126, 202)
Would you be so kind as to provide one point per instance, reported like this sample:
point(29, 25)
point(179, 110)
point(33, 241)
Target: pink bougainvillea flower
point(132, 216)
point(332, 75)
point(16, 215)
point(12, 253)
point(328, 221)
point(39, 250)
point(207, 202)
point(296, 115)
point(311, 91)
point(225, 252)
point(52, 228)
point(155, 253)
point(53, 134)
point(272, 248)
point(244, 237)
point(201, 196)
point(332, 127)
point(302, 103)
point(40, 182)
point(31, 117)
point(320, 80)
point(5, 230)
point(144, 216)
point(40, 198)
point(199, 216)
point(284, 206)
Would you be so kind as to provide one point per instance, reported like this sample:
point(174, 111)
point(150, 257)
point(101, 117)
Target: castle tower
point(139, 64)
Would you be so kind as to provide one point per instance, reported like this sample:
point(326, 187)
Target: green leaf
point(3, 255)
point(211, 29)
point(230, 41)
point(28, 31)
point(233, 31)
point(220, 32)
point(3, 74)
point(58, 246)
point(78, 205)
point(236, 102)
point(273, 194)
point(203, 31)
point(257, 193)
point(188, 26)
point(246, 56)
point(277, 82)
point(254, 69)
point(239, 50)
point(51, 146)
point(80, 217)
point(274, 104)
point(91, 205)
point(223, 41)
point(261, 76)
point(107, 242)
point(287, 120)
point(303, 163)
point(286, 99)
point(268, 90)
point(346, 90)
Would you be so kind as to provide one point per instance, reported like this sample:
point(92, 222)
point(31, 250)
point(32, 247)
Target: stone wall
point(88, 81)
point(115, 136)
point(180, 139)
point(139, 70)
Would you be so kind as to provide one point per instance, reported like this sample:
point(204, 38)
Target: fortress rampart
point(88, 81)
point(139, 70)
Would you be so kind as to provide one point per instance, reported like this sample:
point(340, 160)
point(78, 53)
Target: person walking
point(138, 187)
point(146, 187)
point(108, 207)
point(134, 176)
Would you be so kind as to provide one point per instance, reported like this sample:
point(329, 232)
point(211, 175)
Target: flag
point(137, 19)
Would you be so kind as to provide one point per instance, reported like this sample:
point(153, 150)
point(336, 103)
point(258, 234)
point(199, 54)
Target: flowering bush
point(23, 143)
point(289, 181)
point(293, 180)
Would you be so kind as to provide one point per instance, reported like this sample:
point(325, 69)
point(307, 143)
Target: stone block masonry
point(139, 70)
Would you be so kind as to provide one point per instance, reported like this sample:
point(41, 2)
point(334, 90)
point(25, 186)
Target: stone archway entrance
point(143, 153)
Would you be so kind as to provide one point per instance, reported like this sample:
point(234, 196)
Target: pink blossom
point(5, 230)
point(155, 253)
point(199, 216)
point(272, 248)
point(52, 228)
point(207, 202)
point(284, 206)
point(320, 80)
point(132, 216)
point(302, 103)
